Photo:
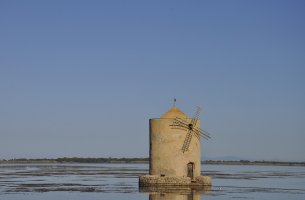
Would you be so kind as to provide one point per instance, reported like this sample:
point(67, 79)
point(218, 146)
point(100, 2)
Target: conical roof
point(173, 113)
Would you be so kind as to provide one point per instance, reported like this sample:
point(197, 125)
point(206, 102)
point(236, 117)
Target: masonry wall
point(166, 156)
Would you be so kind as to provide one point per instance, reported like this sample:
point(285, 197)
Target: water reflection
point(175, 193)
point(174, 196)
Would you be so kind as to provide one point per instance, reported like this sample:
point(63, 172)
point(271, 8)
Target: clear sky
point(82, 78)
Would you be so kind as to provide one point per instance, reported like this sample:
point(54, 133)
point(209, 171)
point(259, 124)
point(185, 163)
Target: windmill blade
point(207, 134)
point(182, 124)
point(187, 141)
point(202, 133)
point(191, 127)
point(179, 125)
point(189, 135)
point(196, 117)
point(182, 121)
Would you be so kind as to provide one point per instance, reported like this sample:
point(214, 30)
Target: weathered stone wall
point(151, 180)
point(166, 156)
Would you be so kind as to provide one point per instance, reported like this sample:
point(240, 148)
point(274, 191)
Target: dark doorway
point(190, 170)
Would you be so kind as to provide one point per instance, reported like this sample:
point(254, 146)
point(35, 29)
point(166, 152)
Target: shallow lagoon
point(120, 181)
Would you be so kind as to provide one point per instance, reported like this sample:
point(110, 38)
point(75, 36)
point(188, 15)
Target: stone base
point(154, 180)
point(176, 189)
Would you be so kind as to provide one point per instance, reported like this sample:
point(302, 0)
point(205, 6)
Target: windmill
point(190, 128)
point(167, 167)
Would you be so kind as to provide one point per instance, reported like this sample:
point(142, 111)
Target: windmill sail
point(187, 141)
point(191, 129)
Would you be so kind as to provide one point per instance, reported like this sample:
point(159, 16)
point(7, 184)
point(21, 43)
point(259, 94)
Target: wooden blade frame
point(181, 124)
point(191, 130)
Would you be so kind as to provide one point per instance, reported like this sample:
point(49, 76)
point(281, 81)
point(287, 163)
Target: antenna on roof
point(175, 102)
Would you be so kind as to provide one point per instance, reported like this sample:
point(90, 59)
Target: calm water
point(120, 181)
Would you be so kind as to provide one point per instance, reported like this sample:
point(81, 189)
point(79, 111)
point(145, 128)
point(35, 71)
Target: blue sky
point(82, 78)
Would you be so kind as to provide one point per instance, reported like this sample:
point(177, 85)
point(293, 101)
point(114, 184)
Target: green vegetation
point(77, 160)
point(247, 162)
point(142, 160)
point(102, 160)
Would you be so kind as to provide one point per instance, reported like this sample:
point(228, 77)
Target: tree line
point(141, 160)
point(74, 160)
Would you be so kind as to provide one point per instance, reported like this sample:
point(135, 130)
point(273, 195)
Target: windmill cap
point(173, 113)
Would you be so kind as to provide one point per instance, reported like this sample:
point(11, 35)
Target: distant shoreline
point(140, 160)
point(247, 162)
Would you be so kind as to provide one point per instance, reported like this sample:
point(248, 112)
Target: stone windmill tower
point(175, 151)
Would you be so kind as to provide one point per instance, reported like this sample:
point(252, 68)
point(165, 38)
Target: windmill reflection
point(172, 193)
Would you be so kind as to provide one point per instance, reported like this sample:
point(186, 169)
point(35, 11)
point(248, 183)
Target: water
point(120, 181)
